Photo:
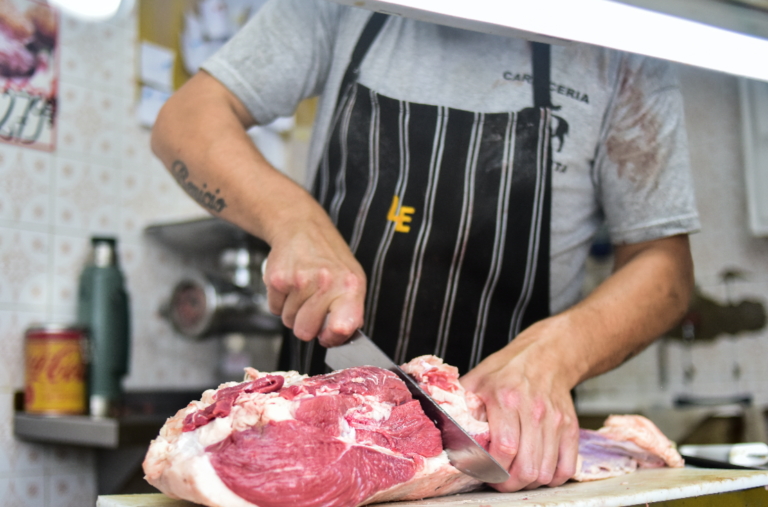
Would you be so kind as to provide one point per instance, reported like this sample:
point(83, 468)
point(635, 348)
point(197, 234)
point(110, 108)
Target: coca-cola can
point(55, 359)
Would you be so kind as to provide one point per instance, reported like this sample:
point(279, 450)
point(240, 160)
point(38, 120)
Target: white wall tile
point(86, 196)
point(24, 262)
point(102, 179)
point(88, 122)
point(25, 182)
point(70, 490)
point(89, 53)
point(25, 491)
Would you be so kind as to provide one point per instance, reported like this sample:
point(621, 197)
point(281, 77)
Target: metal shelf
point(143, 414)
point(204, 235)
point(105, 433)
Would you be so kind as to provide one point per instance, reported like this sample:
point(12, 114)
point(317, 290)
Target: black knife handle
point(711, 463)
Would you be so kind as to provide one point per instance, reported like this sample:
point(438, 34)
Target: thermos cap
point(104, 239)
point(104, 253)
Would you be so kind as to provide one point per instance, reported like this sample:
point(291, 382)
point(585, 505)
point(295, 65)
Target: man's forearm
point(201, 139)
point(647, 294)
point(313, 280)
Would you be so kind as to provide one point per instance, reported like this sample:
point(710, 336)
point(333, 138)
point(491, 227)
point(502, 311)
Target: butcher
point(456, 181)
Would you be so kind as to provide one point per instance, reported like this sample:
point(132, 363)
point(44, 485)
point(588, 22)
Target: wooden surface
point(644, 486)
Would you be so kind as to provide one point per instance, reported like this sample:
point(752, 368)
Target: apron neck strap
point(541, 79)
point(371, 30)
point(541, 63)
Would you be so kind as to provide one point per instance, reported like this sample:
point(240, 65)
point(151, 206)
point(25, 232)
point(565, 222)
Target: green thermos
point(102, 308)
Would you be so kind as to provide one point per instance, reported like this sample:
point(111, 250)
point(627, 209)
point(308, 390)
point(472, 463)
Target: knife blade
point(463, 451)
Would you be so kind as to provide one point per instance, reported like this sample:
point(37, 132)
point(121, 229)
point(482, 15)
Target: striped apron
point(447, 211)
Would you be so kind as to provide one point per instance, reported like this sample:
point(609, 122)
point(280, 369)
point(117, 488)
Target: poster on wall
point(28, 73)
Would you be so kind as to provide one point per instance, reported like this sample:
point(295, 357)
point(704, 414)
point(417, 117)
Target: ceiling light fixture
point(605, 23)
point(94, 10)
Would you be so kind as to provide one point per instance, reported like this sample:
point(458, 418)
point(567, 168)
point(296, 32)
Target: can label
point(55, 380)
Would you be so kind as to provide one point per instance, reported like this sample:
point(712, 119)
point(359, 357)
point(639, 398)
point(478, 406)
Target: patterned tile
point(148, 198)
point(62, 459)
point(16, 457)
point(69, 490)
point(25, 183)
point(88, 53)
point(70, 255)
point(86, 196)
point(24, 262)
point(25, 491)
point(88, 121)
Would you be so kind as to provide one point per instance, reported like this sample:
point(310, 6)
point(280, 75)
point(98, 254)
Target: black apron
point(448, 212)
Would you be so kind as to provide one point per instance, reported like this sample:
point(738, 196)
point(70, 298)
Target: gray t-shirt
point(624, 159)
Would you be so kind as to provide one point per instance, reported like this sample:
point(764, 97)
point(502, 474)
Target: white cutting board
point(638, 488)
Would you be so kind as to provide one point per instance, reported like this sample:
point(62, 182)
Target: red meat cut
point(348, 438)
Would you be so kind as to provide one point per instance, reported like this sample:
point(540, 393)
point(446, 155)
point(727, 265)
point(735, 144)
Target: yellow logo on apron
point(400, 216)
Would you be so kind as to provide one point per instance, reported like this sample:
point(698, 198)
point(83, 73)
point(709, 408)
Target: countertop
point(634, 489)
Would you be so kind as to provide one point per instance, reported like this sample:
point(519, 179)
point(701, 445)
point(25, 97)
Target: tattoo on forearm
point(203, 196)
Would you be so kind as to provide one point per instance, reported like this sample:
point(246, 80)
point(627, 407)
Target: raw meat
point(641, 431)
point(623, 444)
point(348, 438)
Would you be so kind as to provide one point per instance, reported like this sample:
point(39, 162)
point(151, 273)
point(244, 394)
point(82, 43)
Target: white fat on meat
point(465, 407)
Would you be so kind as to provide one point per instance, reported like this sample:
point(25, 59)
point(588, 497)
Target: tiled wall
point(102, 178)
point(714, 132)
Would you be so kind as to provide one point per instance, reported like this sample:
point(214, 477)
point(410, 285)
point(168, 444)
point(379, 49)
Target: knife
point(699, 462)
point(463, 451)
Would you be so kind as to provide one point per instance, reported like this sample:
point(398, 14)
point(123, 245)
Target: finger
point(527, 464)
point(568, 454)
point(276, 301)
point(505, 434)
point(306, 284)
point(550, 444)
point(345, 317)
point(277, 287)
point(312, 316)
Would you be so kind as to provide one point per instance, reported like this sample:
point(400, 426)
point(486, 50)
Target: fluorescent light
point(600, 22)
point(93, 10)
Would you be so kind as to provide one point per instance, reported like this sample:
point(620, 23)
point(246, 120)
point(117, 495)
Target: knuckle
point(545, 477)
point(343, 328)
point(509, 398)
point(303, 334)
point(324, 279)
point(572, 429)
point(565, 472)
point(353, 282)
point(301, 281)
point(538, 410)
point(508, 446)
point(277, 281)
point(528, 474)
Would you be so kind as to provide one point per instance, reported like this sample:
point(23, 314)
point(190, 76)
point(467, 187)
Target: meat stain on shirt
point(633, 144)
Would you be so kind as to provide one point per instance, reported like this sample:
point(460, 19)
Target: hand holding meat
point(311, 274)
point(533, 426)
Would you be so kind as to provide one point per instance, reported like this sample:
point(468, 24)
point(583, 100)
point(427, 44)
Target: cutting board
point(638, 488)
